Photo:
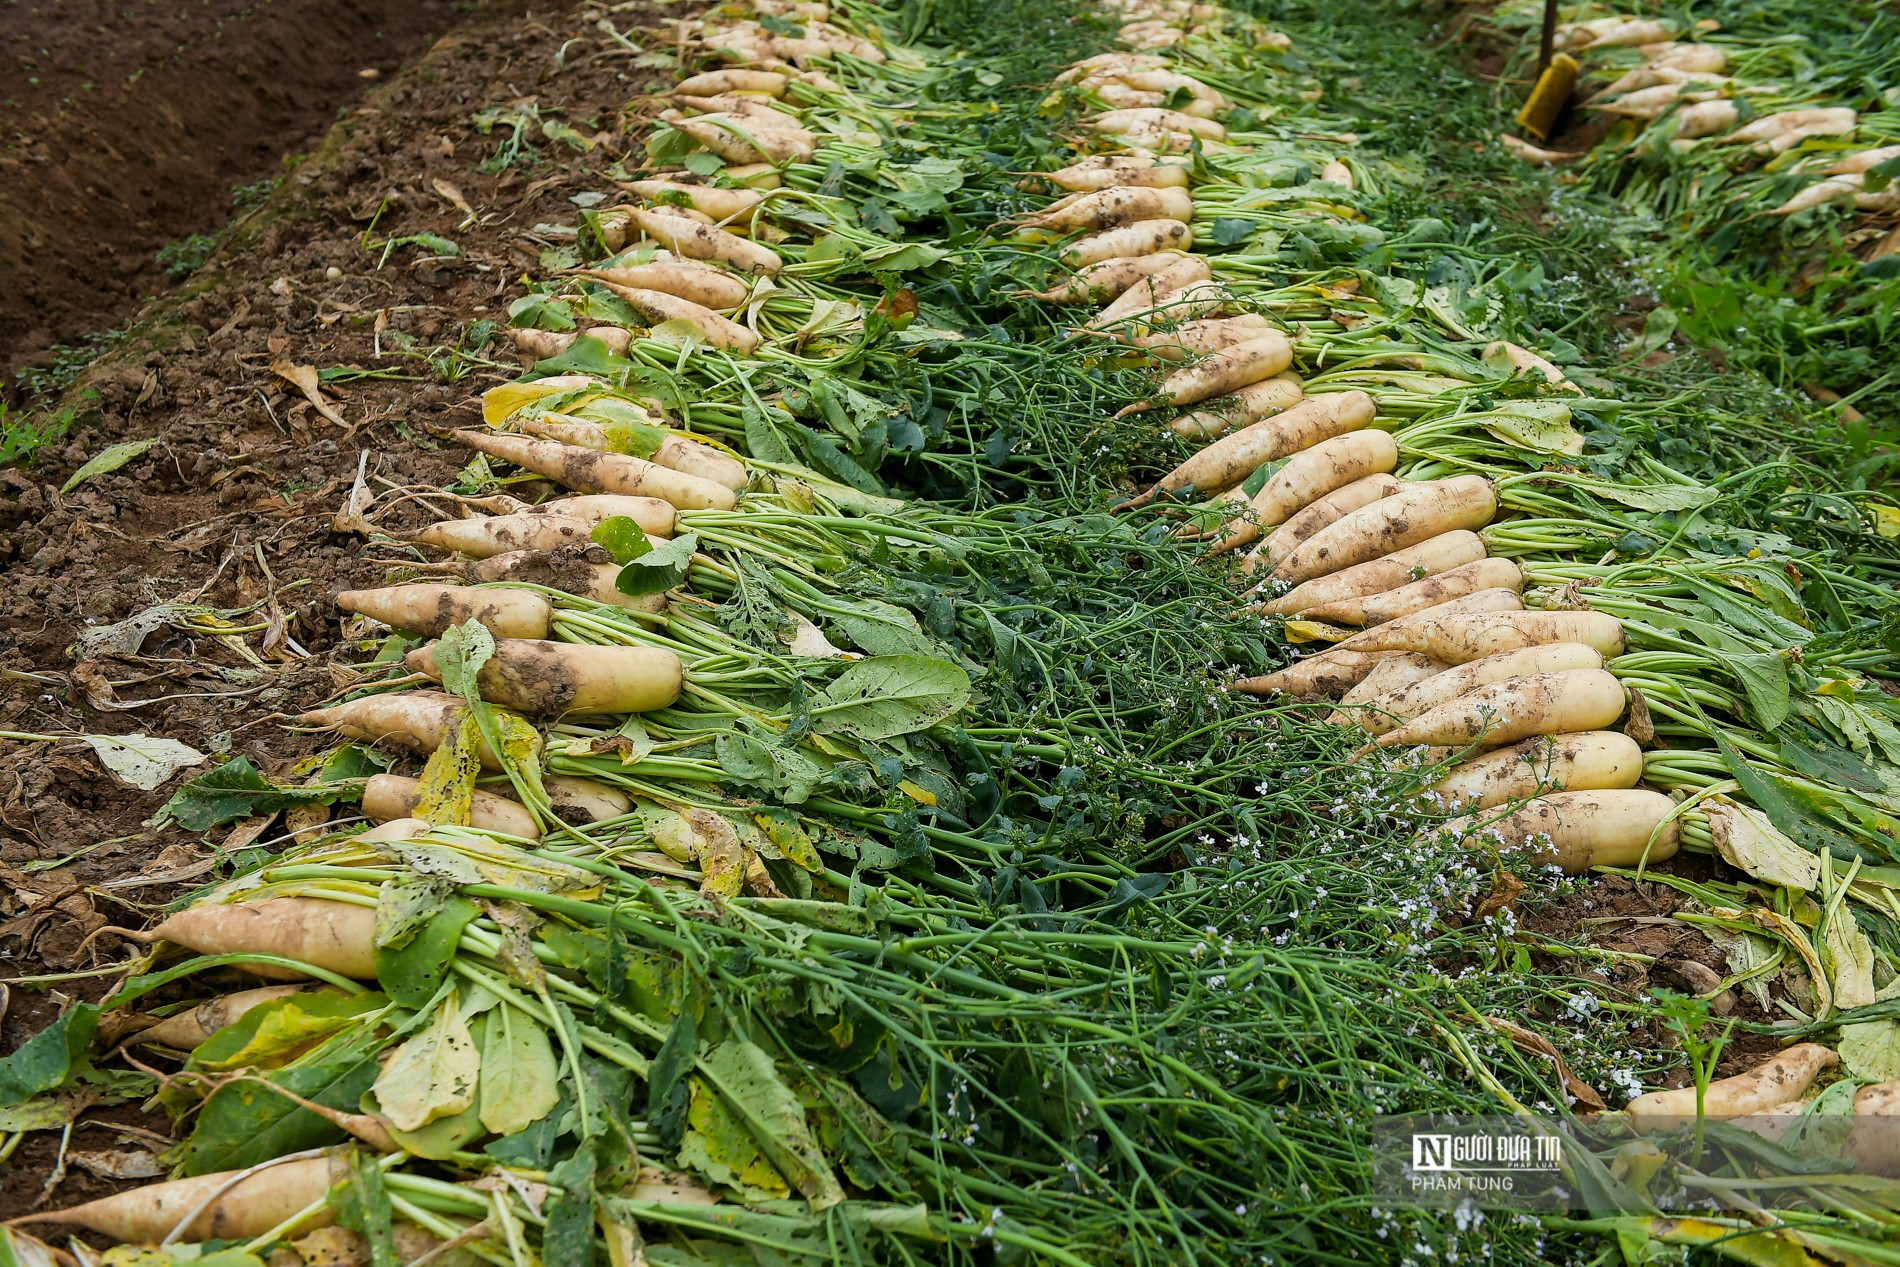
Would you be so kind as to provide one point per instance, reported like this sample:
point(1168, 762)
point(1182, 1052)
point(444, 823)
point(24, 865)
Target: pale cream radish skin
point(1322, 514)
point(429, 610)
point(1144, 237)
point(1108, 171)
point(712, 200)
point(1218, 415)
point(1114, 121)
point(686, 279)
point(1394, 673)
point(698, 241)
point(184, 1030)
point(1417, 512)
point(1506, 711)
point(1219, 372)
point(1327, 675)
point(1104, 281)
point(1482, 602)
point(583, 801)
point(1519, 360)
point(234, 1208)
point(658, 306)
point(1305, 477)
point(337, 937)
point(542, 344)
point(1433, 591)
point(416, 721)
point(391, 796)
point(592, 471)
point(656, 516)
point(1109, 208)
point(1201, 337)
point(675, 452)
point(1578, 830)
point(1781, 1079)
point(481, 536)
point(1392, 711)
point(1595, 760)
point(1154, 293)
point(743, 139)
point(1461, 637)
point(751, 110)
point(566, 678)
point(768, 83)
point(1234, 457)
point(1400, 568)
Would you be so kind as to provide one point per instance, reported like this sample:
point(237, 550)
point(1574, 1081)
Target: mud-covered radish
point(1433, 591)
point(430, 609)
point(1394, 710)
point(1400, 568)
point(697, 241)
point(687, 279)
point(1594, 760)
point(1235, 456)
point(1144, 237)
point(586, 571)
point(1782, 1078)
point(1417, 512)
point(1515, 708)
point(391, 796)
point(338, 937)
point(183, 1031)
point(1322, 514)
point(1305, 477)
point(658, 306)
point(656, 516)
point(1460, 637)
point(1105, 280)
point(1326, 675)
point(416, 721)
point(565, 678)
point(480, 536)
point(1218, 415)
point(1220, 372)
point(1616, 827)
point(229, 1205)
point(1153, 293)
point(592, 471)
point(675, 452)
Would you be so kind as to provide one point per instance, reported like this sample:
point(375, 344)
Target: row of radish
point(1447, 659)
point(1304, 469)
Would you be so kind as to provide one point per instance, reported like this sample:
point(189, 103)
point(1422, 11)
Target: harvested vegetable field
point(967, 632)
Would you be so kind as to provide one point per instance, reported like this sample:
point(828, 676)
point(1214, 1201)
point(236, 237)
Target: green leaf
point(48, 1058)
point(886, 696)
point(1765, 678)
point(666, 1078)
point(520, 1081)
point(363, 1205)
point(782, 772)
point(569, 1235)
point(535, 312)
point(703, 163)
point(660, 568)
point(751, 1091)
point(1542, 426)
point(902, 259)
point(586, 355)
point(763, 437)
point(622, 537)
point(236, 790)
point(241, 1123)
point(1231, 230)
point(111, 458)
point(433, 1075)
point(413, 971)
point(269, 1034)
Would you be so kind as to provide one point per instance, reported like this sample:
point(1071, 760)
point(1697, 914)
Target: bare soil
point(125, 126)
point(232, 509)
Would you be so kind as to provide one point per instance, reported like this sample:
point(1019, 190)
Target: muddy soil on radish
point(231, 512)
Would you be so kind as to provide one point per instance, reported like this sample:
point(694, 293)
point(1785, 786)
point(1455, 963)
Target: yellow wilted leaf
point(1886, 519)
point(923, 796)
point(1314, 631)
point(445, 793)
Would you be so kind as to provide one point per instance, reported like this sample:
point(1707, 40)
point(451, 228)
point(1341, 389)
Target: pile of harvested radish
point(833, 769)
